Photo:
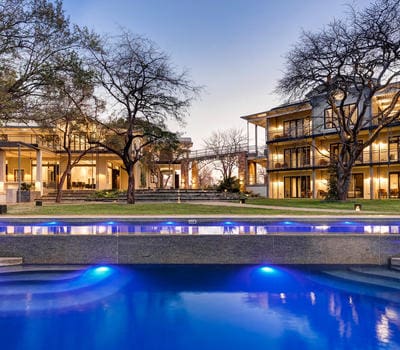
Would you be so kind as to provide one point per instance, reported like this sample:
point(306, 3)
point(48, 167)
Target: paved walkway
point(275, 207)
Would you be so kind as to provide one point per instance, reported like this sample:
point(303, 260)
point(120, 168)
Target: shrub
point(231, 184)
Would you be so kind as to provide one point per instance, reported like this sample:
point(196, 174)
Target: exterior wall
point(185, 174)
point(102, 181)
point(242, 171)
point(205, 249)
point(319, 105)
point(195, 175)
point(260, 190)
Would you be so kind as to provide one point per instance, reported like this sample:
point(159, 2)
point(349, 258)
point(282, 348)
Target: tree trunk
point(61, 183)
point(69, 183)
point(130, 194)
point(343, 181)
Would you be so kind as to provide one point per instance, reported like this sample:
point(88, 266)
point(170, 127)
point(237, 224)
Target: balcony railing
point(277, 162)
point(281, 135)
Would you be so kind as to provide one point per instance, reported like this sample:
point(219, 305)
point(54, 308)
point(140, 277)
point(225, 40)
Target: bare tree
point(351, 60)
point(226, 146)
point(146, 92)
point(32, 32)
point(68, 109)
point(169, 151)
point(205, 176)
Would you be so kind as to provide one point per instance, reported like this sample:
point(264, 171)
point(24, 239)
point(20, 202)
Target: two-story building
point(300, 143)
point(30, 155)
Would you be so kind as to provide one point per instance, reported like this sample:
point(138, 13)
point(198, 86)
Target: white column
point(314, 178)
point(266, 153)
point(2, 171)
point(256, 138)
point(39, 172)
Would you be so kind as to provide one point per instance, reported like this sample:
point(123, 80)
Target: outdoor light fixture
point(357, 207)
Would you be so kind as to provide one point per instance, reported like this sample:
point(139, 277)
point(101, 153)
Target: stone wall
point(202, 249)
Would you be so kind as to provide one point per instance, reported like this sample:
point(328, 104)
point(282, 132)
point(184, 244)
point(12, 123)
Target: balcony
point(281, 136)
point(280, 165)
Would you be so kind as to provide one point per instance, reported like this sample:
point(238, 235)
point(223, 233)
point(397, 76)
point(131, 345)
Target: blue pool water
point(197, 307)
point(195, 227)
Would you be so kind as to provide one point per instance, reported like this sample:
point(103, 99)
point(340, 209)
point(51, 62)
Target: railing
point(280, 134)
point(377, 157)
point(210, 153)
point(278, 164)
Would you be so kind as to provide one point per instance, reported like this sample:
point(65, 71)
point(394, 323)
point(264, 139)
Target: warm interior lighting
point(324, 152)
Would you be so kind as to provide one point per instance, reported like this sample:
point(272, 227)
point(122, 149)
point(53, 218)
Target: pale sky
point(234, 48)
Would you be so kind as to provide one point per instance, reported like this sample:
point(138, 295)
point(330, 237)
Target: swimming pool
point(200, 227)
point(199, 307)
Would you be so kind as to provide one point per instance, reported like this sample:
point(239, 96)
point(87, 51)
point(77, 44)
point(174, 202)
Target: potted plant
point(26, 193)
point(23, 194)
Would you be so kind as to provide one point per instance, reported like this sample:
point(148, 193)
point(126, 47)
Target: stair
point(377, 282)
point(378, 277)
point(395, 263)
point(10, 261)
point(68, 195)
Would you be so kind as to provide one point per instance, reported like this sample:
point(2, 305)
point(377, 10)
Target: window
point(16, 172)
point(297, 127)
point(49, 141)
point(297, 157)
point(356, 188)
point(79, 142)
point(330, 118)
point(394, 185)
point(335, 149)
point(394, 148)
point(297, 187)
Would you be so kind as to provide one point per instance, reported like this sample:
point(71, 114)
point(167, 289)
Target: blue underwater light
point(267, 269)
point(98, 272)
point(51, 223)
point(289, 223)
point(101, 270)
point(349, 223)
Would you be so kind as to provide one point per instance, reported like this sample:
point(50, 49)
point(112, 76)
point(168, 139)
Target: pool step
point(379, 278)
point(377, 272)
point(395, 263)
point(10, 261)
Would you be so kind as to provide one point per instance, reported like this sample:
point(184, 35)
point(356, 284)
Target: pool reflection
point(205, 228)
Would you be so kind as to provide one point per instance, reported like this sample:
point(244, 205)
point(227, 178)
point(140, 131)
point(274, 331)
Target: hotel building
point(300, 143)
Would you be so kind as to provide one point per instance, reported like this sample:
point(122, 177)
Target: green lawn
point(49, 209)
point(138, 209)
point(380, 206)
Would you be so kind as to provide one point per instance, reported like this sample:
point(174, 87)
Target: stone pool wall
point(372, 249)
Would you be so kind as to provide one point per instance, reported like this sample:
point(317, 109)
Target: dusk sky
point(234, 48)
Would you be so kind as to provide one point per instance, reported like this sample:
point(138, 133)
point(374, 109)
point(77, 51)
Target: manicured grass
point(142, 209)
point(391, 206)
point(286, 208)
